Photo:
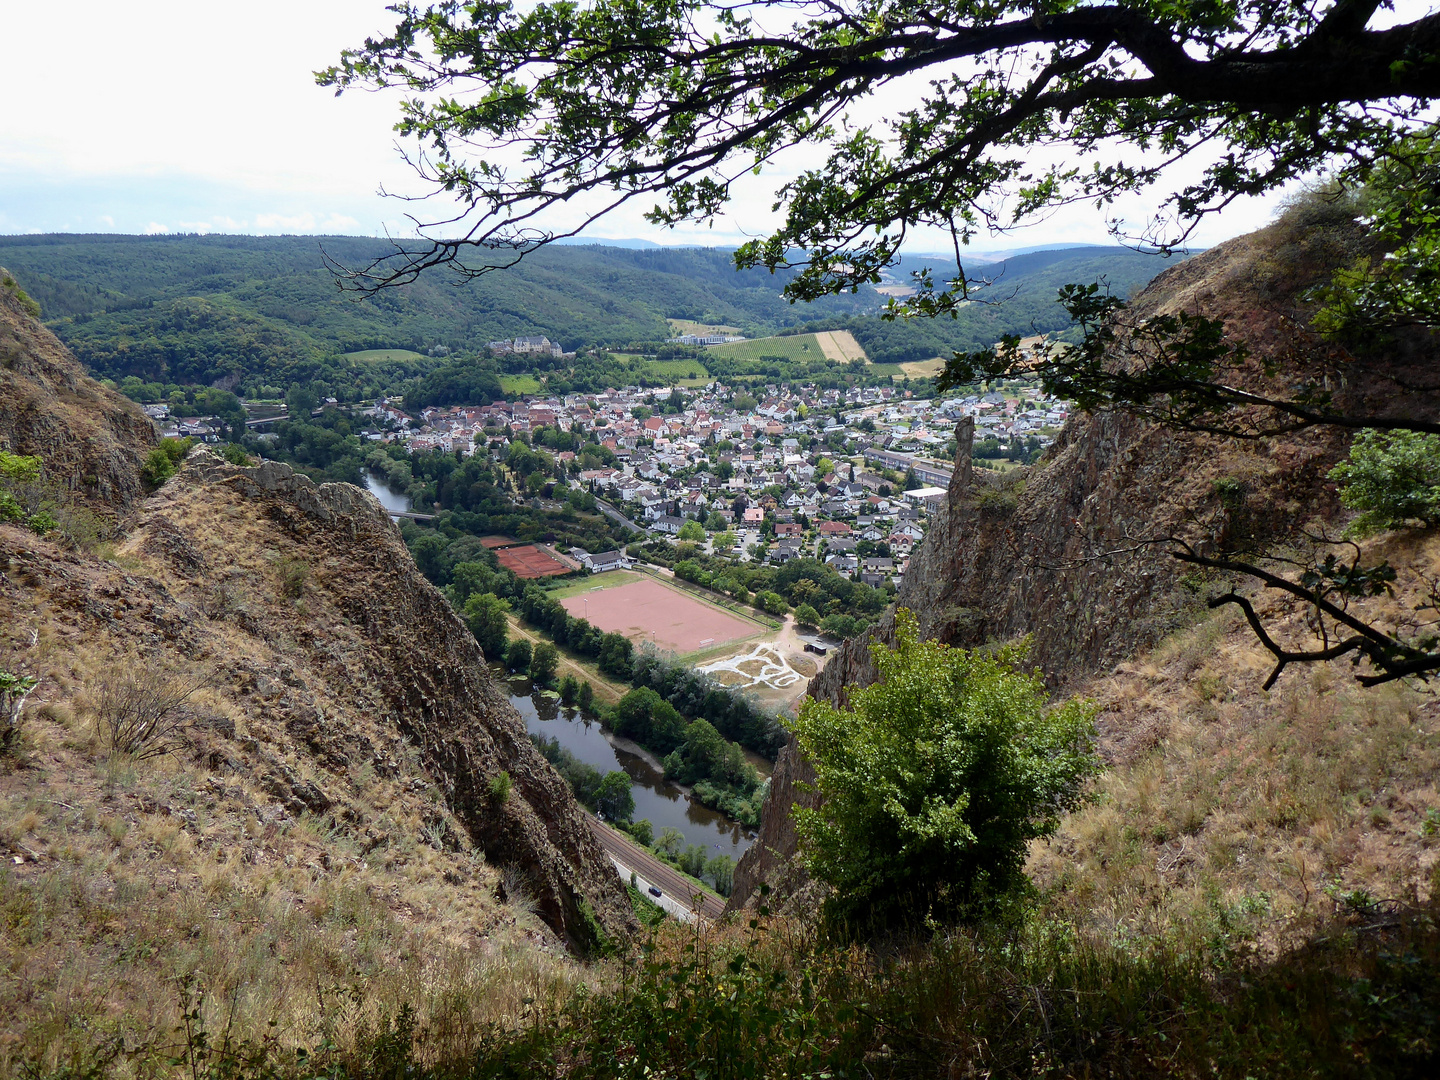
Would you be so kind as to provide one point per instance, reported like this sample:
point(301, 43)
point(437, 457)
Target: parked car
point(654, 891)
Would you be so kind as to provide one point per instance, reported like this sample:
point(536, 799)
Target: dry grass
point(1228, 809)
point(127, 886)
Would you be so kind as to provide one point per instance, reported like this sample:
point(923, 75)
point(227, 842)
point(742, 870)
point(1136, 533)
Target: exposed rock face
point(339, 680)
point(1026, 553)
point(91, 438)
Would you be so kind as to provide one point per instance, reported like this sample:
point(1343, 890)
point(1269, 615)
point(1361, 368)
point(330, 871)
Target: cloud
point(155, 229)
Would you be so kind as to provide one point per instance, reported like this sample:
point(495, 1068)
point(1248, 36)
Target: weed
point(142, 711)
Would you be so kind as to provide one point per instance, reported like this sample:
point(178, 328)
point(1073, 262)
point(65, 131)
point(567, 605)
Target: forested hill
point(242, 310)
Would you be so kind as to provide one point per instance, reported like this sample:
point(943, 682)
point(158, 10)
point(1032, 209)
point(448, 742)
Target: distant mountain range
point(200, 309)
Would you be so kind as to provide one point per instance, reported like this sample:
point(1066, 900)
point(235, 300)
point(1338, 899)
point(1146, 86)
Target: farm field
point(519, 384)
point(792, 347)
point(646, 610)
point(840, 345)
point(922, 369)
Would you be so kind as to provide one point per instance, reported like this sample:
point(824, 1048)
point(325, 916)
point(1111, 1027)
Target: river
point(393, 501)
point(655, 797)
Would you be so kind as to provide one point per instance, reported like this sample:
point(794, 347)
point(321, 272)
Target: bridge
point(411, 515)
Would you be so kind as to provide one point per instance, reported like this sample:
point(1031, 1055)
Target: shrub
point(1392, 478)
point(143, 710)
point(499, 787)
point(235, 454)
point(14, 689)
point(42, 522)
point(294, 575)
point(569, 687)
point(934, 780)
point(642, 831)
point(161, 462)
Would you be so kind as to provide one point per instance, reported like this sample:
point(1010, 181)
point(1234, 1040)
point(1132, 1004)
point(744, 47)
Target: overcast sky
point(161, 116)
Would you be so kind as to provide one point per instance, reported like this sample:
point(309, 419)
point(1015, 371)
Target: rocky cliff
point(92, 439)
point(1051, 552)
point(331, 681)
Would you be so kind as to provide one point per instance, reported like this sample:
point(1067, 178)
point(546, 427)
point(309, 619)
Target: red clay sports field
point(649, 611)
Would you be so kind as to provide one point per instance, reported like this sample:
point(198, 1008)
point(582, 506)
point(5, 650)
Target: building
point(926, 471)
point(602, 561)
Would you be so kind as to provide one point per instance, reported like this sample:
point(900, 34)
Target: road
point(630, 854)
point(615, 515)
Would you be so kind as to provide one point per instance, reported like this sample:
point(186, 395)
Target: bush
point(143, 710)
point(294, 575)
point(499, 787)
point(1392, 478)
point(934, 780)
point(14, 689)
point(569, 688)
point(160, 464)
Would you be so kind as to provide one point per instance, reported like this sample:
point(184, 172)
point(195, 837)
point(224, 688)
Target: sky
point(157, 116)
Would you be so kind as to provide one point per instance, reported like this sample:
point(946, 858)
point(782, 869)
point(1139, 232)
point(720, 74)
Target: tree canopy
point(1008, 110)
point(933, 781)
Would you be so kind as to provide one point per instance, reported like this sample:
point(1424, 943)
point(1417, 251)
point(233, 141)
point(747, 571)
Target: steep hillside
point(259, 732)
point(1052, 553)
point(92, 439)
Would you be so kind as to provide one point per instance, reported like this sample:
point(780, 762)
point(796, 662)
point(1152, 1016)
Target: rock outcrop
point(338, 681)
point(92, 439)
point(1057, 551)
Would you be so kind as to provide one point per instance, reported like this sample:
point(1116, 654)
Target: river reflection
point(393, 501)
point(663, 803)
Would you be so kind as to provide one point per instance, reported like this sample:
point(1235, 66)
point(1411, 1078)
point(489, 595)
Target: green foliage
point(693, 531)
point(772, 602)
point(14, 689)
point(569, 688)
point(806, 615)
point(499, 787)
point(586, 698)
point(642, 831)
point(30, 307)
point(1392, 478)
point(613, 798)
point(588, 783)
point(543, 662)
point(934, 780)
point(517, 656)
point(485, 614)
point(42, 522)
point(161, 462)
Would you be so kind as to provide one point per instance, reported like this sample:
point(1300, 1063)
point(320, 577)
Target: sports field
point(528, 561)
point(646, 610)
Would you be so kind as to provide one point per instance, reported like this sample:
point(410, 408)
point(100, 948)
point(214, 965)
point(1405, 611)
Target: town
point(846, 475)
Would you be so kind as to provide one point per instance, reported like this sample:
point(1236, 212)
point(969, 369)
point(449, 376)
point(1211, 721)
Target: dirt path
point(605, 690)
